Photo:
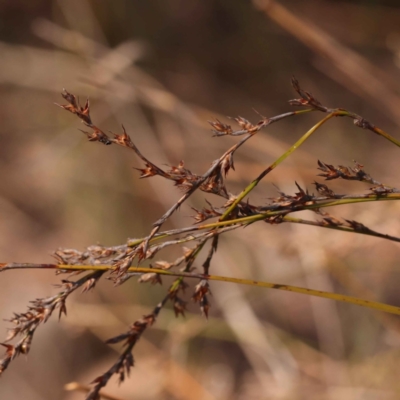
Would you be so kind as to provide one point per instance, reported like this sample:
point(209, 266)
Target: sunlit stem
point(311, 292)
point(283, 157)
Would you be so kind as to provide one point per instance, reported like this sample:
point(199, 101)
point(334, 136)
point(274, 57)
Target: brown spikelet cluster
point(39, 311)
point(122, 262)
point(125, 361)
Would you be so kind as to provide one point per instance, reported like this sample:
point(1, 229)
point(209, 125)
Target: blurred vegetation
point(164, 68)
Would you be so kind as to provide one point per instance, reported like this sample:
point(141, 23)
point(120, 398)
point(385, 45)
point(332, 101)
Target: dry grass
point(59, 191)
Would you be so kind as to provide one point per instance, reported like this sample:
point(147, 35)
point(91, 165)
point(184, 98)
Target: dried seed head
point(381, 190)
point(163, 265)
point(151, 277)
point(200, 290)
point(205, 213)
point(179, 306)
point(357, 226)
point(123, 139)
point(97, 136)
point(82, 112)
point(227, 163)
point(324, 190)
point(122, 266)
point(220, 129)
point(307, 99)
point(244, 124)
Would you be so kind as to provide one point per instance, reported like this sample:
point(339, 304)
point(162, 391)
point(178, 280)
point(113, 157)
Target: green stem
point(262, 216)
point(386, 136)
point(311, 292)
point(283, 157)
point(175, 285)
point(368, 126)
point(259, 217)
point(368, 231)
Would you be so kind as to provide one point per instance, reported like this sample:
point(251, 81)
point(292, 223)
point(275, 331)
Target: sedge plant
point(123, 262)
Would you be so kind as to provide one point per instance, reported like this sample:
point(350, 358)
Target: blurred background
point(163, 69)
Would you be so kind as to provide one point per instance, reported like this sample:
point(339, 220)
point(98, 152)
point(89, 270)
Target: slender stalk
point(361, 122)
point(283, 157)
point(175, 285)
point(271, 213)
point(261, 216)
point(251, 282)
point(268, 121)
point(354, 199)
point(342, 228)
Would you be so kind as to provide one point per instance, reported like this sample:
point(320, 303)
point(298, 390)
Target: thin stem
point(269, 213)
point(266, 122)
point(354, 199)
point(259, 217)
point(342, 228)
point(296, 289)
point(283, 157)
point(362, 123)
point(175, 285)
